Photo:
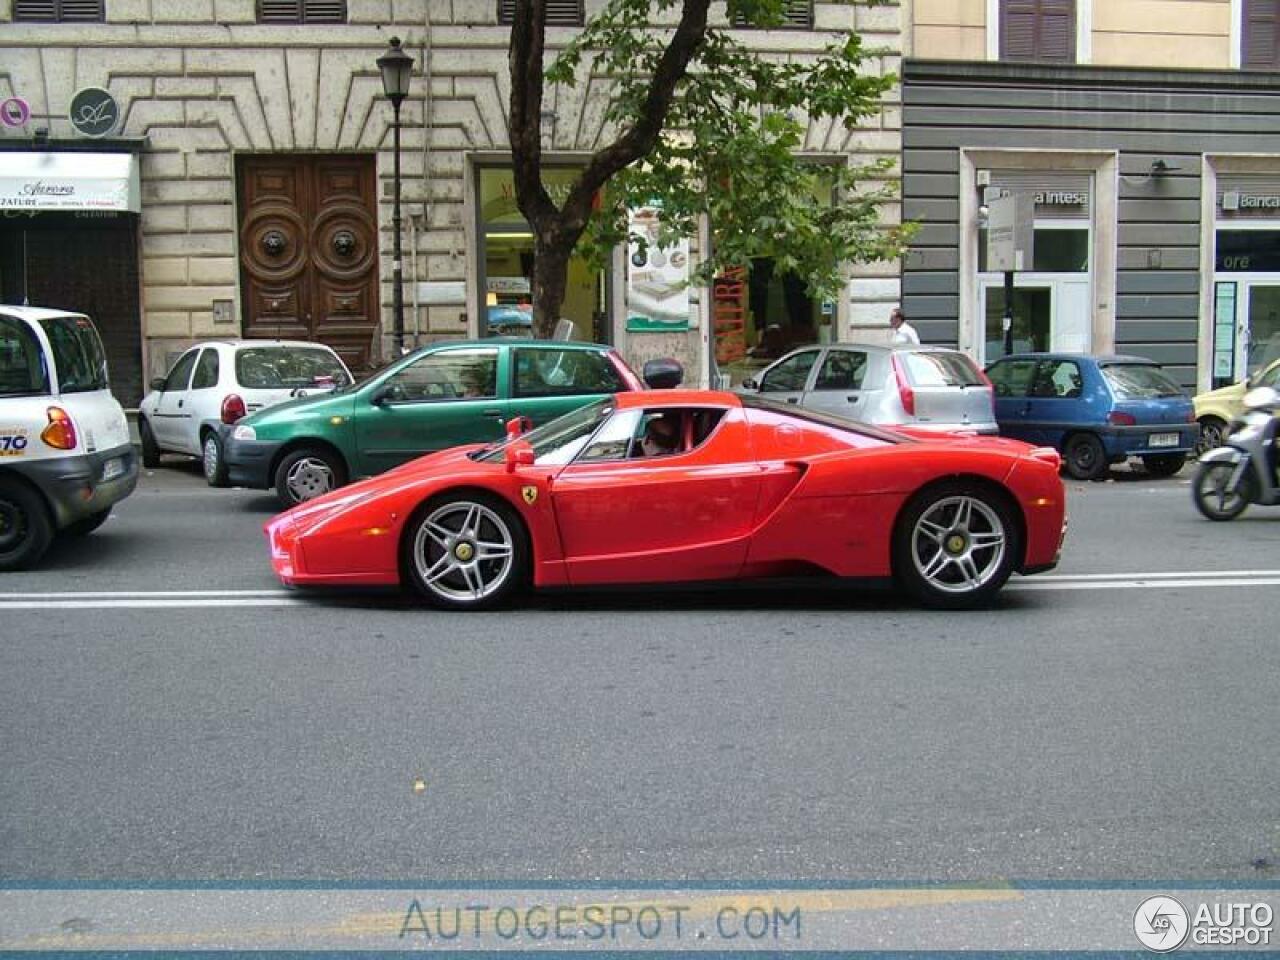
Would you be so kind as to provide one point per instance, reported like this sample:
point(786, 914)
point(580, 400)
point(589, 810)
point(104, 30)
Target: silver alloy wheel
point(1212, 435)
point(463, 551)
point(309, 478)
point(210, 458)
point(958, 544)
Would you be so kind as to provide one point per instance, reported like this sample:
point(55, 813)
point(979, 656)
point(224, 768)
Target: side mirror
point(380, 396)
point(517, 426)
point(663, 374)
point(157, 383)
point(518, 455)
point(751, 384)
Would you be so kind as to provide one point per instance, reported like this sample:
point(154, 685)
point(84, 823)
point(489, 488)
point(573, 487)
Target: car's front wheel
point(1215, 496)
point(1164, 464)
point(307, 473)
point(1213, 434)
point(466, 551)
point(1084, 457)
point(955, 545)
point(26, 530)
point(215, 467)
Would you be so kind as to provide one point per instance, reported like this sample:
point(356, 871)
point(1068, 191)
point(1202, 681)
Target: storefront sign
point(1061, 198)
point(657, 277)
point(1234, 200)
point(14, 112)
point(94, 112)
point(69, 181)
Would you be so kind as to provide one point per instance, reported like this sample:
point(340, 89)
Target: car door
point(204, 399)
point(441, 399)
point(685, 515)
point(172, 414)
point(547, 381)
point(791, 376)
point(1011, 382)
point(1054, 402)
point(838, 387)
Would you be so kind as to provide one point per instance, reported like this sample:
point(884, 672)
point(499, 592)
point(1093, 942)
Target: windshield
point(559, 440)
point(286, 367)
point(1139, 381)
point(78, 357)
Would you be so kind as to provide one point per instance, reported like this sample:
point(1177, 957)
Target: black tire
point(212, 462)
point(86, 526)
point(307, 473)
point(150, 451)
point(1211, 493)
point(1213, 434)
point(26, 529)
point(1164, 464)
point(1084, 458)
point(442, 557)
point(955, 545)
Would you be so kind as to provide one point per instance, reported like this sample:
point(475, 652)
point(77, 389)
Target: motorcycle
point(1243, 470)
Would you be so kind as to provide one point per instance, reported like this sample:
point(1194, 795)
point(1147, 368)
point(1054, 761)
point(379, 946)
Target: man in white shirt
point(903, 332)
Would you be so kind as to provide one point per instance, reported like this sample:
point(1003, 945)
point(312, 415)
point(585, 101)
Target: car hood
point(319, 404)
point(1227, 393)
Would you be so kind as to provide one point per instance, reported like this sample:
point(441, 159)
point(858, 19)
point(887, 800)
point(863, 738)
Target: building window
point(1260, 40)
point(302, 11)
point(797, 14)
point(1038, 30)
point(560, 13)
point(58, 11)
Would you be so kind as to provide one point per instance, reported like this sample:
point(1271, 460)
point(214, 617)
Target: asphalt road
point(1095, 730)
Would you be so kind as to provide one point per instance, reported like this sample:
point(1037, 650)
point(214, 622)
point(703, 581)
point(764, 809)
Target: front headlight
point(244, 433)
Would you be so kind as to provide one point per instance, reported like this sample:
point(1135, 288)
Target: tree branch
point(524, 126)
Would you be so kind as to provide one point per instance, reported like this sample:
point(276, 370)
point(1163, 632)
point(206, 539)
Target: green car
point(439, 396)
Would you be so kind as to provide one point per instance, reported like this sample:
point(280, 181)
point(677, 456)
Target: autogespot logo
point(1161, 924)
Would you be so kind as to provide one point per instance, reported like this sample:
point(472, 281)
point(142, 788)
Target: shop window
point(1247, 251)
point(58, 11)
point(1038, 30)
point(1260, 36)
point(560, 13)
point(302, 11)
point(797, 14)
point(1057, 250)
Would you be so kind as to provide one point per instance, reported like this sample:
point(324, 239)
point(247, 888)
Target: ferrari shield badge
point(530, 494)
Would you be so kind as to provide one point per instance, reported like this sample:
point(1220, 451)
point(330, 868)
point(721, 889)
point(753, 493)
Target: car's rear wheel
point(150, 450)
point(215, 468)
point(1164, 464)
point(307, 473)
point(955, 545)
point(1213, 434)
point(1215, 496)
point(87, 525)
point(466, 551)
point(26, 529)
point(1084, 457)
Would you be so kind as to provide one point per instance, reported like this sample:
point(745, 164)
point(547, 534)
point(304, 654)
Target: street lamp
point(397, 70)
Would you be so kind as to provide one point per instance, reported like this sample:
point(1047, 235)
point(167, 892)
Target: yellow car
point(1217, 408)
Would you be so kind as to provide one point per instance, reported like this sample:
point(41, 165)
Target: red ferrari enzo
point(668, 486)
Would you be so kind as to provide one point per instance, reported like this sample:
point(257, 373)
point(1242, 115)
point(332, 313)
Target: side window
point(545, 372)
point(1011, 378)
point(663, 433)
point(1057, 378)
point(842, 370)
point(789, 374)
point(180, 375)
point(448, 375)
point(1270, 377)
point(613, 440)
point(206, 375)
point(22, 368)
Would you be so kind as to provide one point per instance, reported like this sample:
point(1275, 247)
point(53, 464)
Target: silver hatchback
point(934, 388)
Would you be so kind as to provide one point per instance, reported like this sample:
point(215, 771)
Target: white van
point(65, 453)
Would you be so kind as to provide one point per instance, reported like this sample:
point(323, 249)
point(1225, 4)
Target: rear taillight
point(905, 393)
point(61, 432)
point(1118, 419)
point(233, 408)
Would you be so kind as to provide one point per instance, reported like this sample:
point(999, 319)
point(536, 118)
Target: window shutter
point(1038, 30)
point(58, 11)
point(560, 13)
point(302, 11)
point(795, 13)
point(1261, 36)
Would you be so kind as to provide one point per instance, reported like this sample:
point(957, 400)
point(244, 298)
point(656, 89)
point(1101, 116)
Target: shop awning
point(69, 180)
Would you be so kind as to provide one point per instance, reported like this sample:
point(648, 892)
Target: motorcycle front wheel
point(1214, 494)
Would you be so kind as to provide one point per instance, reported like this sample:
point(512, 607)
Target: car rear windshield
point(78, 356)
point(758, 402)
point(1140, 381)
point(937, 369)
point(267, 368)
point(22, 368)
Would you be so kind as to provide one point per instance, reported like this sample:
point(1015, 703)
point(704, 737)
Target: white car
point(218, 382)
point(65, 455)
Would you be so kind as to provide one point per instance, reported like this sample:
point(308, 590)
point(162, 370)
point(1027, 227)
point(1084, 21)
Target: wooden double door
point(309, 251)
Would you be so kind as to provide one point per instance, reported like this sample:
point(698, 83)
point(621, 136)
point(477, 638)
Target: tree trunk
point(550, 279)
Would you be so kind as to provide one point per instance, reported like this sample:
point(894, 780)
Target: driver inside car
point(661, 437)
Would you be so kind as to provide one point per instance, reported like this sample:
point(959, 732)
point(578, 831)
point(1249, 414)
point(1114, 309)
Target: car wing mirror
point(517, 426)
point(381, 395)
point(518, 455)
point(664, 373)
point(751, 384)
point(157, 383)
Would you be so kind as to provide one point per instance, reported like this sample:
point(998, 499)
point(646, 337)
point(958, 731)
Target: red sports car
point(668, 486)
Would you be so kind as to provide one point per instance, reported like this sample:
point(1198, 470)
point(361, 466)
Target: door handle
point(793, 399)
point(180, 403)
point(853, 398)
point(491, 413)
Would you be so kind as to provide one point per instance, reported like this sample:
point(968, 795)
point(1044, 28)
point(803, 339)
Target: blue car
point(1095, 410)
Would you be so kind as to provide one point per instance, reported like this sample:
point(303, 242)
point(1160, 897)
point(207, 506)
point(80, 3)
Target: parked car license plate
point(1163, 440)
point(113, 468)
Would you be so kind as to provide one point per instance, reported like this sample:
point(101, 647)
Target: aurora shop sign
point(69, 181)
